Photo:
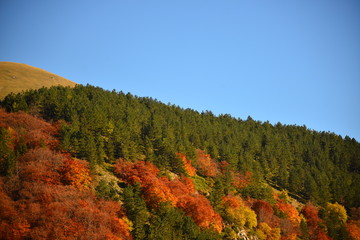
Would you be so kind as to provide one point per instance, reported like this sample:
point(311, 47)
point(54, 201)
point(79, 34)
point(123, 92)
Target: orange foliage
point(75, 173)
point(12, 225)
point(207, 166)
point(311, 214)
point(40, 165)
point(289, 211)
point(154, 189)
point(242, 180)
point(44, 207)
point(353, 229)
point(181, 186)
point(292, 236)
point(232, 201)
point(190, 170)
point(63, 212)
point(237, 213)
point(180, 192)
point(30, 130)
point(199, 209)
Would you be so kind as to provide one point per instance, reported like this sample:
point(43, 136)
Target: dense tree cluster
point(180, 174)
point(102, 126)
point(44, 193)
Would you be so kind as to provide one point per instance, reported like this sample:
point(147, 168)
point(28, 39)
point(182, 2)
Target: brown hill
point(17, 77)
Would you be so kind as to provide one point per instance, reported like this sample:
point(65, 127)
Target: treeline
point(102, 126)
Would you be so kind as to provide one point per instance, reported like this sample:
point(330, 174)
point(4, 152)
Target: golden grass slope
point(17, 77)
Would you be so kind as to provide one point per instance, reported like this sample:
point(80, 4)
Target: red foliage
point(154, 189)
point(290, 226)
point(44, 207)
point(190, 170)
point(223, 166)
point(353, 229)
point(12, 225)
point(207, 166)
point(40, 165)
point(199, 209)
point(311, 214)
point(63, 212)
point(289, 211)
point(181, 186)
point(44, 211)
point(75, 173)
point(242, 180)
point(29, 130)
point(265, 213)
point(180, 192)
point(231, 201)
point(321, 235)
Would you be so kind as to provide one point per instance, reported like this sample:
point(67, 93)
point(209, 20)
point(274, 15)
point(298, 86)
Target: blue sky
point(288, 61)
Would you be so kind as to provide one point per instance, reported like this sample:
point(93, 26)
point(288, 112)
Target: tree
point(206, 165)
point(236, 213)
point(75, 173)
point(265, 232)
point(7, 155)
point(136, 210)
point(314, 223)
point(265, 213)
point(335, 219)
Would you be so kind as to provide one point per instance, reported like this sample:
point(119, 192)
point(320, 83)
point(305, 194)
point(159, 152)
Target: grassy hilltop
point(17, 77)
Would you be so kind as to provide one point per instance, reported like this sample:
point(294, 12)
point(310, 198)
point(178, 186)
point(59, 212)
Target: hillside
point(17, 77)
point(84, 163)
point(48, 194)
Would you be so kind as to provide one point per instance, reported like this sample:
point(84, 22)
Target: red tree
point(154, 189)
point(207, 166)
point(76, 173)
point(265, 213)
point(29, 130)
point(311, 214)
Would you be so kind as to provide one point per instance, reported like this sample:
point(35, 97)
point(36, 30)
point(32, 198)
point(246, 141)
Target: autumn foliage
point(76, 173)
point(48, 194)
point(190, 170)
point(314, 222)
point(206, 166)
point(155, 190)
point(353, 229)
point(236, 212)
point(28, 130)
point(265, 213)
point(179, 192)
point(289, 211)
point(46, 197)
point(241, 180)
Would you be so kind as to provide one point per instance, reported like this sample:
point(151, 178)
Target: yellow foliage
point(237, 213)
point(265, 232)
point(336, 213)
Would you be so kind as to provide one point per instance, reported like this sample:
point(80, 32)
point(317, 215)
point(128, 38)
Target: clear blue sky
point(289, 61)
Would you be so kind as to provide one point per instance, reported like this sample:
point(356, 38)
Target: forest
point(86, 163)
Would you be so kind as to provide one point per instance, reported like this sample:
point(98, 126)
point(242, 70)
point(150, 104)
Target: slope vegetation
point(17, 77)
point(171, 173)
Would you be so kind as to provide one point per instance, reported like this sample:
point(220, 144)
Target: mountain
point(17, 77)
